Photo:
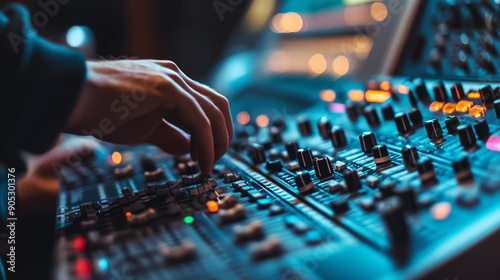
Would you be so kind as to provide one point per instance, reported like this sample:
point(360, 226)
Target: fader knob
point(462, 170)
point(324, 128)
point(415, 116)
point(371, 116)
point(339, 206)
point(408, 197)
point(486, 93)
point(426, 171)
point(457, 92)
point(352, 112)
point(434, 130)
point(368, 141)
point(381, 155)
point(422, 93)
point(467, 136)
point(305, 127)
point(275, 135)
point(338, 137)
point(402, 123)
point(303, 181)
point(496, 105)
point(413, 100)
point(257, 153)
point(305, 158)
point(452, 123)
point(274, 165)
point(323, 168)
point(482, 129)
point(352, 181)
point(388, 112)
point(392, 212)
point(440, 92)
point(291, 149)
point(410, 158)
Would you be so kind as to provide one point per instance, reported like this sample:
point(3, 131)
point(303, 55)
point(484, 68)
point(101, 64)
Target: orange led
point(377, 96)
point(474, 94)
point(403, 89)
point(464, 105)
point(449, 108)
point(441, 210)
point(128, 214)
point(477, 111)
point(116, 157)
point(212, 206)
point(262, 120)
point(385, 85)
point(356, 95)
point(243, 118)
point(436, 106)
point(327, 95)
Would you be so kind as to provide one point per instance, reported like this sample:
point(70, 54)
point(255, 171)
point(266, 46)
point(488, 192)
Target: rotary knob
point(381, 155)
point(402, 123)
point(466, 136)
point(415, 116)
point(392, 212)
point(408, 198)
point(291, 149)
point(440, 92)
point(457, 92)
point(305, 127)
point(324, 128)
point(338, 138)
point(305, 158)
point(368, 141)
point(434, 130)
point(274, 165)
point(352, 181)
point(371, 116)
point(275, 135)
point(388, 112)
point(482, 129)
point(410, 158)
point(452, 123)
point(426, 172)
point(462, 170)
point(486, 94)
point(323, 168)
point(352, 112)
point(422, 93)
point(303, 181)
point(257, 153)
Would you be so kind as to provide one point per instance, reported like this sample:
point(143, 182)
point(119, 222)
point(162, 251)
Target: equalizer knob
point(415, 116)
point(410, 158)
point(352, 181)
point(305, 127)
point(467, 136)
point(381, 155)
point(371, 116)
point(352, 112)
point(434, 130)
point(323, 168)
point(486, 94)
point(388, 112)
point(402, 123)
point(291, 149)
point(324, 128)
point(426, 172)
point(482, 129)
point(452, 123)
point(392, 212)
point(303, 181)
point(440, 92)
point(368, 141)
point(305, 158)
point(462, 170)
point(457, 92)
point(257, 153)
point(422, 93)
point(338, 137)
point(275, 135)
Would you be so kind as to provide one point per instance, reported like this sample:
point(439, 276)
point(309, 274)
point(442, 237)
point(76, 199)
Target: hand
point(150, 101)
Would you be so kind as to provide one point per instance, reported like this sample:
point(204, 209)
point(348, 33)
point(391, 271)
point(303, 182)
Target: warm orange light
point(340, 65)
point(378, 11)
point(377, 96)
point(436, 106)
point(116, 157)
point(356, 95)
point(287, 23)
point(474, 94)
point(449, 108)
point(441, 210)
point(464, 105)
point(262, 120)
point(403, 89)
point(243, 118)
point(317, 63)
point(385, 85)
point(477, 111)
point(128, 214)
point(212, 206)
point(327, 95)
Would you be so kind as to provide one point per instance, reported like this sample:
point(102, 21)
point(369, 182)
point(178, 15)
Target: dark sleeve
point(39, 85)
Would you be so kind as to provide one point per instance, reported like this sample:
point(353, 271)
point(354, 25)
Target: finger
point(170, 139)
point(220, 101)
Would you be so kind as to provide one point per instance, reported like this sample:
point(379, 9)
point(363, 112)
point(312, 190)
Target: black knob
point(279, 123)
point(482, 129)
point(457, 92)
point(275, 135)
point(496, 105)
point(257, 153)
point(388, 112)
point(392, 212)
point(291, 149)
point(305, 158)
point(426, 171)
point(422, 93)
point(462, 170)
point(440, 92)
point(352, 181)
point(402, 123)
point(434, 130)
point(412, 98)
point(274, 165)
point(408, 198)
point(452, 122)
point(323, 168)
point(467, 136)
point(386, 187)
point(371, 116)
point(340, 205)
point(368, 141)
point(381, 155)
point(415, 116)
point(486, 93)
point(410, 158)
point(352, 112)
point(338, 137)
point(148, 164)
point(305, 127)
point(324, 128)
point(303, 181)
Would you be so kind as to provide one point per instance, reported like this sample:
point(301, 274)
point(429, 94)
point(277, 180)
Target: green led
point(188, 219)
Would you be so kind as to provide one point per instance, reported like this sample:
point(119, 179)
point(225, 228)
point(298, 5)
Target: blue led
point(103, 264)
point(77, 36)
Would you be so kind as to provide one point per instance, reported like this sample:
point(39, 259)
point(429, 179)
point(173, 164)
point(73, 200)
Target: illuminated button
point(441, 211)
point(83, 268)
point(385, 85)
point(449, 108)
point(402, 89)
point(473, 95)
point(463, 106)
point(477, 111)
point(377, 96)
point(356, 95)
point(452, 122)
point(79, 243)
point(212, 206)
point(436, 106)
